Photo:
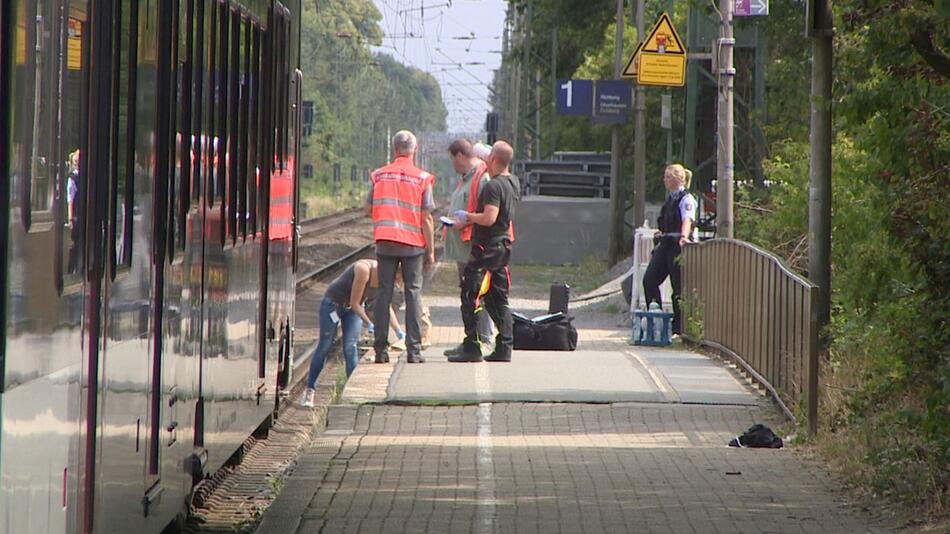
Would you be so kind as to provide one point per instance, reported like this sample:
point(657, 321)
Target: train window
point(282, 91)
point(174, 131)
point(254, 130)
point(34, 159)
point(198, 70)
point(210, 138)
point(6, 32)
point(242, 211)
point(233, 131)
point(265, 154)
point(222, 103)
point(125, 57)
point(73, 187)
point(186, 134)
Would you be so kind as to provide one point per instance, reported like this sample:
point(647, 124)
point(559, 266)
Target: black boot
point(500, 354)
point(470, 353)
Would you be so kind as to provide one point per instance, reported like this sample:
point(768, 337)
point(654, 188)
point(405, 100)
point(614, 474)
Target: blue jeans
point(352, 326)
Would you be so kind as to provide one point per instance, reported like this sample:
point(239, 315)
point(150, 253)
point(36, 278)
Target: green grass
point(534, 281)
point(320, 198)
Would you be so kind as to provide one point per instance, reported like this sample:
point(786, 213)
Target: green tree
point(359, 96)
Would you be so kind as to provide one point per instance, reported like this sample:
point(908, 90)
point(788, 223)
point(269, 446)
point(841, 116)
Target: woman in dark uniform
point(343, 305)
point(675, 224)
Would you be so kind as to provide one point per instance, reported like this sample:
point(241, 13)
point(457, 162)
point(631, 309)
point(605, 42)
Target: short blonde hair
point(679, 172)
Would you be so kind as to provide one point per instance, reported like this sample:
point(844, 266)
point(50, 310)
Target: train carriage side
point(41, 272)
point(138, 352)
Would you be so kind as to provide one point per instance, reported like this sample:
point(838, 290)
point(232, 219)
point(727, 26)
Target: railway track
point(232, 499)
point(329, 242)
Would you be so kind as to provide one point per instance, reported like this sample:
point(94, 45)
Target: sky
point(457, 41)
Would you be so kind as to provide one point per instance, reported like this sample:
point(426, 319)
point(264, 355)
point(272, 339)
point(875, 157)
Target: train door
point(131, 419)
point(276, 305)
point(42, 292)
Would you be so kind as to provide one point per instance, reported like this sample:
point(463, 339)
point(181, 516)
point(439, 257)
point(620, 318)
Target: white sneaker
point(307, 399)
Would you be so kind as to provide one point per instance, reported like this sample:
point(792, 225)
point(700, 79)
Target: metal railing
point(747, 304)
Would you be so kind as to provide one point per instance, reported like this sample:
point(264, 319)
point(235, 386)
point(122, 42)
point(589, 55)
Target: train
point(149, 188)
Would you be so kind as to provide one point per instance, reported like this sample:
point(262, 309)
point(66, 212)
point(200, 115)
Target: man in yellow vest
point(400, 202)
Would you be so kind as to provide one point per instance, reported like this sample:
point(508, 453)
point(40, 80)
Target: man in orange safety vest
point(486, 280)
point(400, 202)
point(473, 176)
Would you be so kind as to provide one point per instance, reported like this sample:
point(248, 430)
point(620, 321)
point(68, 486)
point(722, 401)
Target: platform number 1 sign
point(570, 94)
point(575, 97)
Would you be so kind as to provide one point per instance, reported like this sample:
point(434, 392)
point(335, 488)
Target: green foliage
point(577, 133)
point(360, 97)
point(886, 402)
point(694, 311)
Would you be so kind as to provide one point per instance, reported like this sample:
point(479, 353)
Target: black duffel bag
point(548, 332)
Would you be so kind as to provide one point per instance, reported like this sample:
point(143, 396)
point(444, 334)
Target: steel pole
point(639, 139)
point(819, 189)
point(615, 239)
point(725, 168)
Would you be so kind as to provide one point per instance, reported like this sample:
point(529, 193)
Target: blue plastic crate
point(646, 336)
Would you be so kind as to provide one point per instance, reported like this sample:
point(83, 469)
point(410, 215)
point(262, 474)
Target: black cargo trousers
point(480, 295)
point(664, 262)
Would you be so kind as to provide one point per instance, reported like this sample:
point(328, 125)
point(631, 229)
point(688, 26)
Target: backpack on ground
point(759, 436)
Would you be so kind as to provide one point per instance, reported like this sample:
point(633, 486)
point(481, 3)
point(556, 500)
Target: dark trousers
point(412, 282)
point(664, 262)
point(493, 261)
point(486, 328)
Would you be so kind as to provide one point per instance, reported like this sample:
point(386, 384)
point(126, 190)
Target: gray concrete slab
point(532, 376)
point(695, 378)
point(653, 375)
point(581, 229)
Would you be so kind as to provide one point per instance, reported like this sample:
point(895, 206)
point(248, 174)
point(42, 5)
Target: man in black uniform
point(486, 279)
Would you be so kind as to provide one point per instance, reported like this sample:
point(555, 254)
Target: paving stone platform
point(612, 438)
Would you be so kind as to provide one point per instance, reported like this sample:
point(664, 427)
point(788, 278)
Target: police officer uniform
point(679, 205)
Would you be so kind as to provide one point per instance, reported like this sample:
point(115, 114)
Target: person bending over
point(343, 305)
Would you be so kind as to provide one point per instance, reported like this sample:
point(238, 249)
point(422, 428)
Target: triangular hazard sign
point(663, 38)
point(630, 71)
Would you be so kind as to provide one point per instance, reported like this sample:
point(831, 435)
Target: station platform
point(609, 438)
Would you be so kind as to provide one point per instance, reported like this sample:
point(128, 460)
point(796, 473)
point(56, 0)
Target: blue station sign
point(575, 97)
point(612, 102)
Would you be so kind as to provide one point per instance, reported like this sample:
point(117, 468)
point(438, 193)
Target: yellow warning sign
point(663, 38)
point(630, 71)
point(661, 69)
point(74, 44)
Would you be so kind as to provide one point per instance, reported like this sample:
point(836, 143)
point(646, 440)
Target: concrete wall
point(560, 229)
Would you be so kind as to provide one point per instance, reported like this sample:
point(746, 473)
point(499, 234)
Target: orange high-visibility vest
point(480, 172)
point(398, 189)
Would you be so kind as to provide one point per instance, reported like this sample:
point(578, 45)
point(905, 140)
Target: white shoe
point(307, 399)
